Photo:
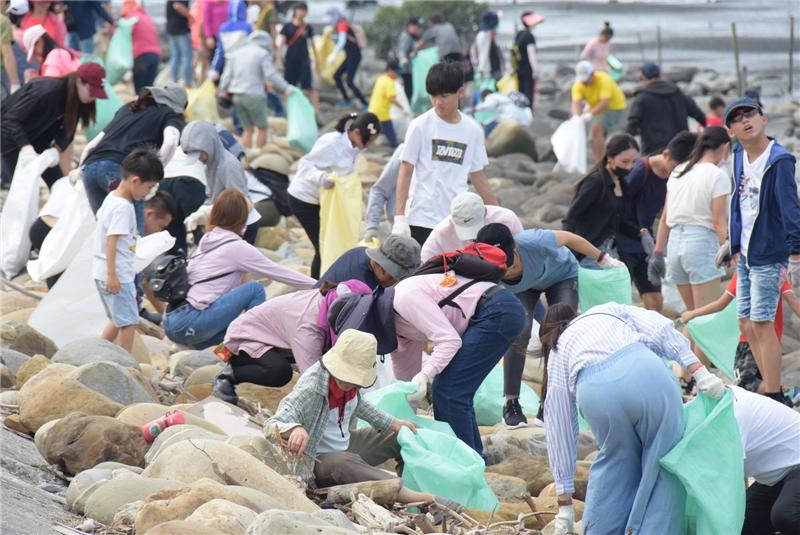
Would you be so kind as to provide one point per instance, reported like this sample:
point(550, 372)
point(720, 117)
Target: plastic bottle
point(152, 429)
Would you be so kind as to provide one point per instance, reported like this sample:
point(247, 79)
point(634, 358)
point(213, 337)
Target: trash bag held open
point(203, 103)
point(340, 217)
point(301, 123)
point(569, 146)
point(601, 286)
point(119, 58)
point(392, 400)
point(420, 65)
point(717, 335)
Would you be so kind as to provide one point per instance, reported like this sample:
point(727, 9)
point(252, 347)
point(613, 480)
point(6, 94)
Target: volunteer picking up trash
point(383, 266)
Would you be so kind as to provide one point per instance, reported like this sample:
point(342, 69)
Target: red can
point(152, 429)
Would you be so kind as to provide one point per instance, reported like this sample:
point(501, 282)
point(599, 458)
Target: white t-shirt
point(116, 217)
point(749, 190)
point(770, 436)
point(335, 438)
point(689, 196)
point(443, 156)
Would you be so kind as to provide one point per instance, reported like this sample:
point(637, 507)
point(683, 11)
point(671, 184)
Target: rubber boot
point(225, 386)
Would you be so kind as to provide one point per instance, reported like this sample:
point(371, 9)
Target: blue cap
point(746, 102)
point(650, 71)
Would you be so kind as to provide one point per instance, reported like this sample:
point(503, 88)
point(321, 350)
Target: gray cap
point(171, 95)
point(398, 255)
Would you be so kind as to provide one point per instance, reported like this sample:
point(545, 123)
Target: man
point(605, 100)
point(396, 259)
point(444, 36)
point(406, 44)
point(660, 110)
point(84, 15)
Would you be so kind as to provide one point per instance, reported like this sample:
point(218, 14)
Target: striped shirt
point(591, 338)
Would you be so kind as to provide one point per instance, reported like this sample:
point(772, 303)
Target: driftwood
point(382, 492)
point(371, 515)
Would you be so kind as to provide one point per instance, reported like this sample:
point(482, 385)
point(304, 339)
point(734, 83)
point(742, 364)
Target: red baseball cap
point(94, 75)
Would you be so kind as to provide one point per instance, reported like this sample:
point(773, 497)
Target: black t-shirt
point(297, 47)
point(354, 264)
point(523, 39)
point(177, 24)
point(128, 131)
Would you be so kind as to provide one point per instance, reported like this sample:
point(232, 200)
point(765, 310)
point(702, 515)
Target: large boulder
point(83, 481)
point(224, 516)
point(183, 363)
point(509, 138)
point(139, 414)
point(25, 339)
point(89, 350)
point(508, 489)
point(293, 523)
point(203, 376)
point(113, 495)
point(14, 301)
point(7, 379)
point(113, 381)
point(13, 360)
point(177, 433)
point(29, 368)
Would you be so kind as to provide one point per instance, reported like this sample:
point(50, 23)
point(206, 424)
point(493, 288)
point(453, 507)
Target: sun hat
point(468, 214)
point(398, 255)
point(94, 75)
point(583, 71)
point(353, 359)
point(171, 95)
point(30, 37)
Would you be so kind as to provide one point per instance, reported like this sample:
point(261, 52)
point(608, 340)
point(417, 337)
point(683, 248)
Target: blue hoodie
point(232, 34)
point(776, 232)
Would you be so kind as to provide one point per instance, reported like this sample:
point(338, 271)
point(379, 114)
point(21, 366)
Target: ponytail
point(368, 125)
point(712, 138)
point(554, 323)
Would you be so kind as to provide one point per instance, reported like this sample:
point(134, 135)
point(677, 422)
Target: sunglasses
point(744, 114)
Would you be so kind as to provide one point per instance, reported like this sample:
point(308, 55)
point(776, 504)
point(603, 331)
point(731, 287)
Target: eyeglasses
point(744, 114)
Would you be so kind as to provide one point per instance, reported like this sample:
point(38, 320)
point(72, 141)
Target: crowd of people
point(459, 277)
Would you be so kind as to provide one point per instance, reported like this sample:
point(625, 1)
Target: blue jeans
point(145, 70)
point(489, 335)
point(180, 57)
point(387, 129)
point(206, 328)
point(102, 177)
point(84, 46)
point(758, 290)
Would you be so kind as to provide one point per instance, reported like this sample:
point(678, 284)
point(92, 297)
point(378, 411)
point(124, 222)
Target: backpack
point(278, 183)
point(370, 313)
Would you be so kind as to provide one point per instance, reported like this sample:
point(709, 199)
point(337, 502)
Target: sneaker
point(513, 416)
point(225, 387)
point(343, 104)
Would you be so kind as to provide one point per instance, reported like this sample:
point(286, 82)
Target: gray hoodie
point(250, 67)
point(223, 169)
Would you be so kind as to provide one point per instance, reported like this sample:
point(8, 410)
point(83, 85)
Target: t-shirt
point(749, 192)
point(116, 217)
point(350, 44)
point(689, 196)
point(6, 35)
point(522, 40)
point(644, 194)
point(444, 37)
point(129, 130)
point(297, 51)
point(177, 24)
point(713, 120)
point(786, 287)
point(770, 434)
point(336, 437)
point(443, 156)
point(380, 102)
point(544, 262)
point(354, 264)
point(602, 87)
point(597, 52)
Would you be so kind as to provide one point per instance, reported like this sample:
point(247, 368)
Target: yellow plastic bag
point(339, 218)
point(372, 242)
point(203, 103)
point(508, 83)
point(325, 46)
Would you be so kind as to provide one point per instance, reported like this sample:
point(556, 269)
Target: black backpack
point(278, 183)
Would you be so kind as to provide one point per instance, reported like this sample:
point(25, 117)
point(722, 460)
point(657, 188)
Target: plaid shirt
point(307, 406)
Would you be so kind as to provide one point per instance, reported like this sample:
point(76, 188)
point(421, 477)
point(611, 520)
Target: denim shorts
point(690, 255)
point(121, 307)
point(758, 290)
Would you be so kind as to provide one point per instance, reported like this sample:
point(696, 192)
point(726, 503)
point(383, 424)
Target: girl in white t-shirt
point(694, 221)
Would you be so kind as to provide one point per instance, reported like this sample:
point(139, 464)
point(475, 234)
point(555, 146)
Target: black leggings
point(349, 67)
point(274, 368)
point(308, 215)
point(775, 508)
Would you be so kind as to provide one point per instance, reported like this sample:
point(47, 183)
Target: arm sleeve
point(561, 425)
point(227, 76)
point(374, 417)
point(588, 51)
point(312, 168)
point(722, 184)
point(629, 229)
point(272, 75)
point(584, 199)
point(290, 413)
point(341, 39)
point(788, 204)
point(382, 193)
point(694, 110)
point(254, 262)
point(218, 61)
point(14, 117)
point(171, 139)
point(658, 333)
point(635, 117)
point(90, 147)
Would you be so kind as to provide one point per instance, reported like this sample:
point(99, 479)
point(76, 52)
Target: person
point(693, 223)
point(496, 107)
point(159, 212)
point(382, 196)
point(179, 20)
point(468, 215)
point(598, 49)
point(383, 97)
point(334, 153)
point(184, 180)
point(606, 364)
point(660, 110)
point(146, 45)
point(443, 35)
point(44, 115)
point(443, 149)
point(217, 296)
point(717, 108)
point(543, 264)
point(85, 14)
point(764, 229)
point(384, 266)
point(345, 40)
point(261, 345)
point(605, 100)
point(232, 35)
point(246, 76)
point(44, 13)
point(485, 55)
point(598, 207)
point(527, 64)
point(53, 60)
point(770, 437)
point(215, 13)
point(115, 245)
point(296, 36)
point(644, 193)
point(405, 50)
point(9, 77)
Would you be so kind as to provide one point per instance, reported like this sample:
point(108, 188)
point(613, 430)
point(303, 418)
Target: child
point(159, 211)
point(384, 96)
point(717, 107)
point(764, 230)
point(115, 245)
point(296, 36)
point(443, 149)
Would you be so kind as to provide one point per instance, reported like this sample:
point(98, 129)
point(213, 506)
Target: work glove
point(421, 382)
point(328, 183)
point(648, 244)
point(656, 268)
point(565, 520)
point(50, 156)
point(723, 257)
point(13, 89)
point(75, 176)
point(794, 272)
point(401, 227)
point(708, 383)
point(213, 75)
point(198, 218)
point(609, 262)
point(370, 234)
point(586, 116)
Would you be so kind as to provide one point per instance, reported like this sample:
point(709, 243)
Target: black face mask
point(620, 172)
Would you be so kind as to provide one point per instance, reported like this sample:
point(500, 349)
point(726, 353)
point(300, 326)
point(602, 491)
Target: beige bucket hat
point(353, 359)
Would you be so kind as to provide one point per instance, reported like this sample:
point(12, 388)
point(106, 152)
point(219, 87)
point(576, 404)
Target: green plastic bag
point(616, 67)
point(489, 400)
point(718, 335)
point(106, 107)
point(119, 58)
point(301, 123)
point(601, 286)
point(708, 462)
point(420, 65)
point(443, 465)
point(392, 399)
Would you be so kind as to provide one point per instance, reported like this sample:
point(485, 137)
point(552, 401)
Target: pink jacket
point(145, 35)
point(418, 319)
point(215, 13)
point(60, 62)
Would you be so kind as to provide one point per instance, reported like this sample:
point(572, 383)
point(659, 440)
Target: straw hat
point(353, 359)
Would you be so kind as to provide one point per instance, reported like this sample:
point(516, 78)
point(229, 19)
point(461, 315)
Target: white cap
point(30, 37)
point(468, 214)
point(17, 7)
point(583, 71)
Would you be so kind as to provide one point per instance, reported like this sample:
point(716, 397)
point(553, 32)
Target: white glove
point(401, 227)
point(793, 273)
point(331, 59)
point(13, 89)
point(565, 520)
point(290, 89)
point(328, 183)
point(370, 234)
point(708, 383)
point(51, 157)
point(609, 262)
point(421, 382)
point(26, 155)
point(723, 256)
point(213, 75)
point(586, 116)
point(198, 218)
point(75, 176)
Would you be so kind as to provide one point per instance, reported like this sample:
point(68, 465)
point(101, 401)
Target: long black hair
point(712, 138)
point(617, 144)
point(554, 323)
point(368, 125)
point(76, 110)
point(143, 101)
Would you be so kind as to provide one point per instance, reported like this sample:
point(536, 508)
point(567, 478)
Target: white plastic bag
point(569, 146)
point(149, 247)
point(400, 117)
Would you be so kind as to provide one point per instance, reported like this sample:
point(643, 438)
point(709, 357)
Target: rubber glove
point(708, 383)
point(656, 268)
point(794, 272)
point(586, 117)
point(213, 75)
point(198, 218)
point(50, 156)
point(331, 59)
point(648, 244)
point(421, 382)
point(565, 520)
point(401, 227)
point(609, 262)
point(723, 256)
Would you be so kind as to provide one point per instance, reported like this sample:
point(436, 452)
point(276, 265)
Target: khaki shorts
point(610, 119)
point(252, 111)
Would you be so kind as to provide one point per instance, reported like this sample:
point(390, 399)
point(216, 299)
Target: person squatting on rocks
point(384, 266)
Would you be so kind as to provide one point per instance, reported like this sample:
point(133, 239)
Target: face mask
point(620, 172)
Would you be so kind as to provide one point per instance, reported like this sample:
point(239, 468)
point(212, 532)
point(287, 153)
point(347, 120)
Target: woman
point(146, 45)
point(693, 224)
point(217, 295)
point(54, 60)
point(605, 363)
point(261, 344)
point(333, 153)
point(44, 115)
point(598, 49)
point(345, 40)
point(44, 13)
point(598, 208)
